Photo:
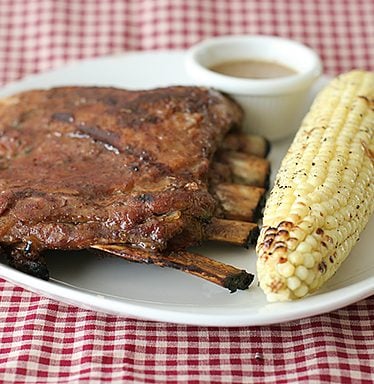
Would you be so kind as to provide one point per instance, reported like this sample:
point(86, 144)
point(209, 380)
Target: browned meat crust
point(82, 166)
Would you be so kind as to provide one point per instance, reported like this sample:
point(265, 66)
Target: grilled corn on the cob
point(324, 191)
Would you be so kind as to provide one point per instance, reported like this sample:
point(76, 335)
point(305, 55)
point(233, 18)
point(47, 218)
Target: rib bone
point(233, 232)
point(250, 144)
point(216, 272)
point(247, 169)
point(239, 202)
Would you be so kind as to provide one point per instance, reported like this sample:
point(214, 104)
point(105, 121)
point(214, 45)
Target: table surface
point(43, 341)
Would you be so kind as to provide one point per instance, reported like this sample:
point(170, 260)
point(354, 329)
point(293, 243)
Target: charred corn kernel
point(324, 191)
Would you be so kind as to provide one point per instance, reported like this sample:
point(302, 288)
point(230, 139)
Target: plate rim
point(163, 312)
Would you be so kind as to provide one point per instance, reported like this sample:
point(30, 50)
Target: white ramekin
point(272, 107)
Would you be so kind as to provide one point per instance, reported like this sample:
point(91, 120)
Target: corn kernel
point(298, 233)
point(293, 283)
point(296, 258)
point(304, 248)
point(312, 241)
point(310, 278)
point(309, 260)
point(301, 291)
point(286, 269)
point(301, 272)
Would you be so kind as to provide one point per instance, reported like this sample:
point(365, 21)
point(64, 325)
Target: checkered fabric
point(47, 342)
point(39, 34)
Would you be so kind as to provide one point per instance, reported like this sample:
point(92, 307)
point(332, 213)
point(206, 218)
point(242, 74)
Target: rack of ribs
point(142, 175)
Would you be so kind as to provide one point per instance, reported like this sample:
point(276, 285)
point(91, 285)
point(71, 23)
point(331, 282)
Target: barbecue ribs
point(87, 167)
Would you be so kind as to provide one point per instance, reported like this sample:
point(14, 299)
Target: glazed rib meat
point(81, 166)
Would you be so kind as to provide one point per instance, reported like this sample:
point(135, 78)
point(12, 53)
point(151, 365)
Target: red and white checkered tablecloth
point(43, 341)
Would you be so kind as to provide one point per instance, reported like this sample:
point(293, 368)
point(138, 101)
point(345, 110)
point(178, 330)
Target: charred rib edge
point(232, 231)
point(213, 271)
point(27, 260)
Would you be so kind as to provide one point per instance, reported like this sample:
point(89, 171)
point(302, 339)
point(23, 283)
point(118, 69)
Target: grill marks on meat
point(86, 166)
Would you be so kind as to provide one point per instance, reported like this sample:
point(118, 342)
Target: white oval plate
point(115, 286)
